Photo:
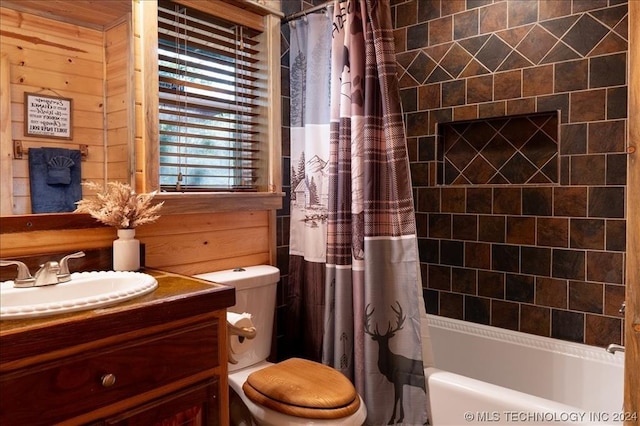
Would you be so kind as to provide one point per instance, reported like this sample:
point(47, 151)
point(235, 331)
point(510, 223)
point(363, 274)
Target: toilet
point(291, 392)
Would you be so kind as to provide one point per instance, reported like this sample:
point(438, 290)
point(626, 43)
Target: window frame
point(269, 195)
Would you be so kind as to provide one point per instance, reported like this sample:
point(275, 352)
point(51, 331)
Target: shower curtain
point(355, 299)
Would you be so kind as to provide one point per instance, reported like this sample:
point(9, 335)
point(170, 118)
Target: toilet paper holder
point(242, 332)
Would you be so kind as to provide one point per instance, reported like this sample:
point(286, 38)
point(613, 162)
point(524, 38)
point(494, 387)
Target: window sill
point(207, 202)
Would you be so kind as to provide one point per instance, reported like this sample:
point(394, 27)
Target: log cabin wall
point(182, 243)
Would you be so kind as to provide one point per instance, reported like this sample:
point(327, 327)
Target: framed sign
point(47, 116)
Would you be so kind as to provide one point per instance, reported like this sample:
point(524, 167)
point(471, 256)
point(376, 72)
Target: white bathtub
point(488, 375)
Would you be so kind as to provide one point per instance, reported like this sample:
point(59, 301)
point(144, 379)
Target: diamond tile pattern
point(565, 38)
point(507, 150)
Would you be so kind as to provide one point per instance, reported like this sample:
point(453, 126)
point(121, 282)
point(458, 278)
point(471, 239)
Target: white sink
point(86, 290)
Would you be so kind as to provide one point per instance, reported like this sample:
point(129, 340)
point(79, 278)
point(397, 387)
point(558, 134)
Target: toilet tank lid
point(245, 277)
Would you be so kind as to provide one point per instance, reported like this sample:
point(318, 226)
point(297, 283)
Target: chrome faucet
point(50, 272)
point(613, 348)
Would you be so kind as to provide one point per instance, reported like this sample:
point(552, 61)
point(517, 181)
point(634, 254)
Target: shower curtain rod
point(306, 11)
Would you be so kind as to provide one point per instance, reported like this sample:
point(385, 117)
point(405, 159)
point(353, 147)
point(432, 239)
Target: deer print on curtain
point(398, 369)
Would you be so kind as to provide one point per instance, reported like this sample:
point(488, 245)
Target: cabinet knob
point(108, 380)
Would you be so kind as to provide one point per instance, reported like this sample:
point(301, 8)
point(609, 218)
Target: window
point(211, 98)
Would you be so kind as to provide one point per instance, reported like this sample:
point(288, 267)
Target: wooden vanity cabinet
point(159, 359)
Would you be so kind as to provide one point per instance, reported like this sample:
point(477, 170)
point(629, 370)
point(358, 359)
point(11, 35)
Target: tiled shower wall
point(543, 259)
point(546, 259)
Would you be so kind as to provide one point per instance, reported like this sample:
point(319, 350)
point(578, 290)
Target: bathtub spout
point(613, 348)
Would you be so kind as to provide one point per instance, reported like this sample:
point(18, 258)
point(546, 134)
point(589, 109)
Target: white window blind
point(211, 89)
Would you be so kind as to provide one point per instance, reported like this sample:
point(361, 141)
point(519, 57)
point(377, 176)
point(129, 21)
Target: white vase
point(126, 251)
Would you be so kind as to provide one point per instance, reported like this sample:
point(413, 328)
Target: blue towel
point(54, 179)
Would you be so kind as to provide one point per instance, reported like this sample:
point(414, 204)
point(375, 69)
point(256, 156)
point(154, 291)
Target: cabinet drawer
point(76, 385)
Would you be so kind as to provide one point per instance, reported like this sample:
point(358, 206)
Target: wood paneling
point(632, 316)
point(55, 59)
point(182, 243)
point(86, 13)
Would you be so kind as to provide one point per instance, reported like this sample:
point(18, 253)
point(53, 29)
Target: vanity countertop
point(177, 297)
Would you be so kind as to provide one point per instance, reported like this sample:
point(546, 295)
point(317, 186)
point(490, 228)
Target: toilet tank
point(255, 294)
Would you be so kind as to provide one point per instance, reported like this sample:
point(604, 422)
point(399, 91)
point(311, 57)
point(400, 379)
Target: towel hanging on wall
point(54, 179)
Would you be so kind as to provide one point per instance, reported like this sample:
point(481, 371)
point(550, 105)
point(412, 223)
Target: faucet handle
point(64, 274)
point(24, 276)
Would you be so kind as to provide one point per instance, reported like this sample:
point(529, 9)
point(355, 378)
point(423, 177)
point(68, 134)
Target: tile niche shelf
point(510, 150)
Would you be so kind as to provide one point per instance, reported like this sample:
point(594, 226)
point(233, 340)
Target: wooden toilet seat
point(303, 388)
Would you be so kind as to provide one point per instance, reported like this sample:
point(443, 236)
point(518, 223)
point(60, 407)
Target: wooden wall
point(119, 100)
point(70, 59)
point(55, 59)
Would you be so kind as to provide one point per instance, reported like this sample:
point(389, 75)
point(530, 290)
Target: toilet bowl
point(292, 392)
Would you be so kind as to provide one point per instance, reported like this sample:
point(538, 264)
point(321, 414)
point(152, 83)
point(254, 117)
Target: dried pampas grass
point(119, 205)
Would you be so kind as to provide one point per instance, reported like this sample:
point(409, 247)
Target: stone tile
point(569, 264)
point(417, 36)
point(585, 34)
point(465, 24)
point(607, 137)
point(553, 232)
point(480, 89)
point(588, 106)
point(464, 280)
point(613, 298)
point(491, 284)
point(493, 53)
point(449, 7)
point(455, 61)
point(605, 267)
point(477, 309)
point(535, 261)
point(507, 85)
point(536, 44)
point(587, 233)
point(552, 292)
point(440, 30)
point(607, 202)
point(477, 255)
point(465, 227)
point(493, 18)
point(507, 201)
point(520, 288)
point(571, 75)
point(616, 103)
point(586, 296)
point(588, 170)
point(602, 331)
point(451, 305)
point(570, 201)
point(440, 225)
point(535, 320)
point(521, 12)
point(521, 230)
point(479, 200)
point(453, 93)
point(549, 9)
point(431, 301)
point(616, 231)
point(537, 201)
point(452, 253)
point(573, 139)
point(537, 80)
point(608, 70)
point(567, 325)
point(505, 314)
point(439, 277)
point(505, 258)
